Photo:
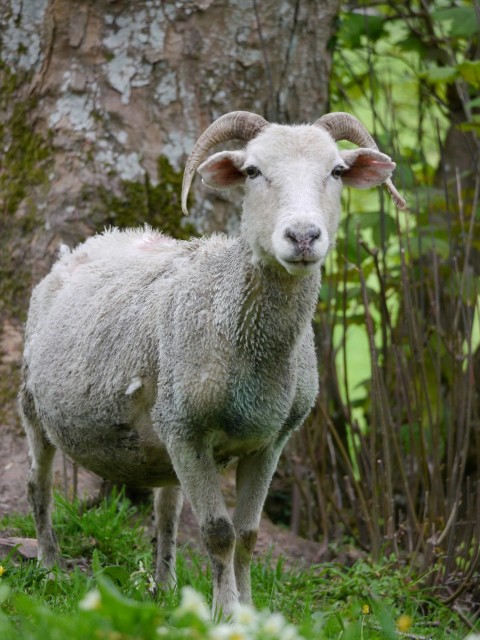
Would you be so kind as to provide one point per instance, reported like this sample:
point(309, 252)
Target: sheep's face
point(293, 179)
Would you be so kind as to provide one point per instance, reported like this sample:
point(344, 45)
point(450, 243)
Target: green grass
point(109, 554)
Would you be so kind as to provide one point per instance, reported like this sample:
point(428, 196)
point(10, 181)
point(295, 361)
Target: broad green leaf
point(474, 103)
point(474, 125)
point(460, 22)
point(4, 592)
point(372, 220)
point(119, 575)
point(356, 25)
point(126, 615)
point(441, 247)
point(412, 43)
point(389, 227)
point(470, 71)
point(368, 219)
point(352, 250)
point(356, 319)
point(440, 74)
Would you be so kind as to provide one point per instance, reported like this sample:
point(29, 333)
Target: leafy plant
point(98, 599)
point(390, 456)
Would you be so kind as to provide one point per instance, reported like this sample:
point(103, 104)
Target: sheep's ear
point(366, 168)
point(223, 169)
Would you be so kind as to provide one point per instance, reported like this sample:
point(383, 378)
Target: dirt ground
point(13, 498)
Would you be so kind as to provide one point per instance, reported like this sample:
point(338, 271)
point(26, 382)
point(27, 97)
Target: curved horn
point(343, 126)
point(236, 125)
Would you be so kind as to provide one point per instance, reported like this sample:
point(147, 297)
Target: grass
point(109, 557)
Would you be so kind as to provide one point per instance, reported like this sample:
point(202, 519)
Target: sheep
point(157, 362)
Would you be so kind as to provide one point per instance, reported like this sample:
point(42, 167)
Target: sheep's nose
point(303, 240)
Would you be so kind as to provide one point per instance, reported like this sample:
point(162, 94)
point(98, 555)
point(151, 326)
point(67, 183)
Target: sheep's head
point(293, 176)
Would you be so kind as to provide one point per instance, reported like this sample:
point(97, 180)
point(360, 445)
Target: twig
point(462, 617)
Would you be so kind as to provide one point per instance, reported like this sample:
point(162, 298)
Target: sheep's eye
point(338, 171)
point(253, 172)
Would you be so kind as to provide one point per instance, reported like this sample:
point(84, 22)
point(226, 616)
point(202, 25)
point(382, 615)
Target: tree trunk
point(102, 101)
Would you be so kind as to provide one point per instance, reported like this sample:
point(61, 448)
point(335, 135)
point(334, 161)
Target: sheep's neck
point(275, 309)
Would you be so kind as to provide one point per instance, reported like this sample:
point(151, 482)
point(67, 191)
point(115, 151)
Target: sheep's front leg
point(196, 470)
point(168, 504)
point(254, 474)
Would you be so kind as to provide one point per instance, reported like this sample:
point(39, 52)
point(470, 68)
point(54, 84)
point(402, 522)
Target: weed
point(109, 594)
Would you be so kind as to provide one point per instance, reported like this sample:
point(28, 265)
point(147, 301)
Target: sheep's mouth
point(302, 266)
point(302, 262)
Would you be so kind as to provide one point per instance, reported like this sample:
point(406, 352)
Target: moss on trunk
point(143, 202)
point(26, 158)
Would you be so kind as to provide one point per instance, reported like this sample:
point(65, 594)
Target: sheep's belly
point(138, 469)
point(117, 452)
point(134, 455)
point(132, 470)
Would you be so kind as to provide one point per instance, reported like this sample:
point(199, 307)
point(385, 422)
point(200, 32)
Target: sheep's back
point(92, 325)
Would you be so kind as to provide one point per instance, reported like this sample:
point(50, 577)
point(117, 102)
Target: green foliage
point(457, 22)
point(357, 28)
point(394, 67)
point(113, 529)
point(108, 529)
point(144, 202)
point(390, 456)
point(116, 601)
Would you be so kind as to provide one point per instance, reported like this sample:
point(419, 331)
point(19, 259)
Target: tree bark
point(102, 101)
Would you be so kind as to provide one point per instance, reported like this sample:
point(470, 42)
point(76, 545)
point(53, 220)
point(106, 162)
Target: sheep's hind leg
point(168, 504)
point(40, 481)
point(197, 472)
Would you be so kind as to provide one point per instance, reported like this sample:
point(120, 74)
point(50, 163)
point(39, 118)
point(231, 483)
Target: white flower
point(229, 632)
point(91, 601)
point(142, 578)
point(274, 624)
point(193, 602)
point(152, 585)
point(473, 636)
point(244, 614)
point(162, 631)
point(289, 633)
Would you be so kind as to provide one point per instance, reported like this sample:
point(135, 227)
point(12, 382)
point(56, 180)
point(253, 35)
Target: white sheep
point(156, 362)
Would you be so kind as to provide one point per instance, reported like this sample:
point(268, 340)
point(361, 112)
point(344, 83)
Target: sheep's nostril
point(303, 239)
point(291, 235)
